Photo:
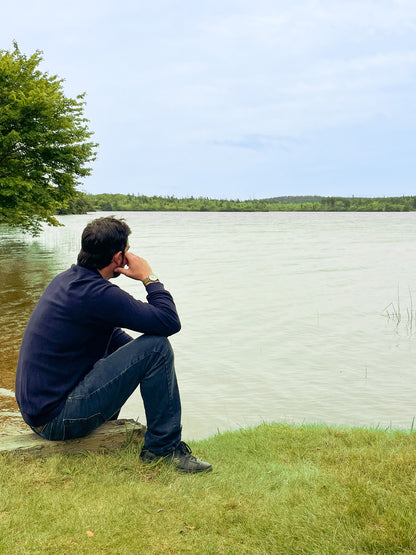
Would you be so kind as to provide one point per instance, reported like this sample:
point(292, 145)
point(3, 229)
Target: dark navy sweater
point(76, 321)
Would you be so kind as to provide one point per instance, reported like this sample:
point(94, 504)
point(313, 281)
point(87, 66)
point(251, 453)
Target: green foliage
point(80, 203)
point(44, 145)
point(131, 202)
point(112, 202)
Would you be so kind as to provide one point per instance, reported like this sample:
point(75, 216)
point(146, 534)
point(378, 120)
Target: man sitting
point(77, 367)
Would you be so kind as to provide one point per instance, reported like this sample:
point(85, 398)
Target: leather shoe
point(181, 458)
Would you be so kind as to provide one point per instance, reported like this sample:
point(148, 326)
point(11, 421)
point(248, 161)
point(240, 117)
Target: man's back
point(75, 322)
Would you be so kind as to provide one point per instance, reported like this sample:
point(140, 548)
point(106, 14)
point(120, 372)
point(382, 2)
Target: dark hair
point(100, 241)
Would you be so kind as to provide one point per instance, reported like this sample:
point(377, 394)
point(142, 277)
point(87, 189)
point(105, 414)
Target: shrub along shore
point(275, 488)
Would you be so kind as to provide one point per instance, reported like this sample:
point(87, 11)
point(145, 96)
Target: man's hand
point(137, 268)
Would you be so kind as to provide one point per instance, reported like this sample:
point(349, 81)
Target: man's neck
point(106, 272)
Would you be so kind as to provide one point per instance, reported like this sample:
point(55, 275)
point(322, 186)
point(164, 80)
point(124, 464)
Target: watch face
point(152, 277)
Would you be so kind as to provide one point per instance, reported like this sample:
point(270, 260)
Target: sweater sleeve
point(117, 340)
point(157, 316)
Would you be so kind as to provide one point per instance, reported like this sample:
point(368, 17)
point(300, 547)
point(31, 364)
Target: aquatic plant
point(393, 311)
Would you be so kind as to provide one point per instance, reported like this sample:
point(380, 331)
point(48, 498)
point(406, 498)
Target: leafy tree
point(44, 143)
point(79, 204)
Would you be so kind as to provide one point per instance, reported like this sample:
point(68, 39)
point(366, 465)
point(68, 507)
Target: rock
point(110, 436)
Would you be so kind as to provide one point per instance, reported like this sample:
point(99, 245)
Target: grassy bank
point(274, 489)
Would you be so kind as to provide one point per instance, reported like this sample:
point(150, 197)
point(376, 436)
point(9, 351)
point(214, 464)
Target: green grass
point(274, 489)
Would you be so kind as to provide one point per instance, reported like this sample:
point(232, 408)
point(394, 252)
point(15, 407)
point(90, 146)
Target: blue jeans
point(146, 361)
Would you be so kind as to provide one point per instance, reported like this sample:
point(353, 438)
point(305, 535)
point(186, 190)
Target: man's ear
point(118, 258)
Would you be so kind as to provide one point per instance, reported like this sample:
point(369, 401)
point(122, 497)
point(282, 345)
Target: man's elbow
point(175, 327)
point(168, 327)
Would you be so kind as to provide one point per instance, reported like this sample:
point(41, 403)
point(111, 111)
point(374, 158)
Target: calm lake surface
point(283, 314)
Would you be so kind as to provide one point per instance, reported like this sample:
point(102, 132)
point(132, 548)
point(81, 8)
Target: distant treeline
point(83, 203)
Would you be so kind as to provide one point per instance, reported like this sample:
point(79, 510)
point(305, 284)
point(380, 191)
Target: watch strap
point(149, 278)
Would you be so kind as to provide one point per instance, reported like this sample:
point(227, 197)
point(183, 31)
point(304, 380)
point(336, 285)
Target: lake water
point(283, 314)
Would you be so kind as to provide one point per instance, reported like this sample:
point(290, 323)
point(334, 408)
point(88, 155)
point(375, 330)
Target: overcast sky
point(236, 98)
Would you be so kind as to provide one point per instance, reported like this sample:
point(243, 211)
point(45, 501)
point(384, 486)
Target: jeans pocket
point(80, 427)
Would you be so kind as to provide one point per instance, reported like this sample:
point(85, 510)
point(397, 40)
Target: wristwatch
point(150, 277)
